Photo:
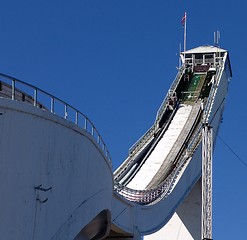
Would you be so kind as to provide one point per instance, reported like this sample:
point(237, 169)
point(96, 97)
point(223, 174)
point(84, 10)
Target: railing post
point(13, 89)
point(13, 94)
point(65, 111)
point(76, 117)
point(85, 124)
point(52, 104)
point(35, 97)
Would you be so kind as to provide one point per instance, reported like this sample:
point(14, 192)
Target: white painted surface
point(173, 230)
point(148, 219)
point(40, 148)
point(162, 149)
point(185, 223)
point(205, 49)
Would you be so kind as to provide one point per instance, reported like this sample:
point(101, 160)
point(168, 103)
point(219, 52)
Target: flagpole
point(185, 23)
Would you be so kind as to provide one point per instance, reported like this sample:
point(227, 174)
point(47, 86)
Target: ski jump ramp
point(57, 166)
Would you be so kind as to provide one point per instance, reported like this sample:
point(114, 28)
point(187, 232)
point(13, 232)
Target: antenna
point(216, 44)
point(216, 38)
point(184, 23)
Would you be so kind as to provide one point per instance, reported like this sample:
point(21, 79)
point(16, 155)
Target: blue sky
point(115, 60)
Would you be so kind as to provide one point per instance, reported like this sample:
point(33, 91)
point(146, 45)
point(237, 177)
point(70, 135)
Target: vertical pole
point(76, 117)
point(185, 26)
point(207, 149)
point(85, 124)
point(184, 23)
point(13, 90)
point(52, 104)
point(65, 111)
point(35, 97)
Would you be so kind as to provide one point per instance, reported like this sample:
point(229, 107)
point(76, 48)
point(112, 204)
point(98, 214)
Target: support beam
point(207, 150)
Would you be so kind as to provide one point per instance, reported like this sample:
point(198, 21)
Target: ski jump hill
point(56, 177)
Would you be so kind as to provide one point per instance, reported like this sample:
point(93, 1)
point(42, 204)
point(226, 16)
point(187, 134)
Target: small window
point(188, 55)
point(198, 56)
point(208, 56)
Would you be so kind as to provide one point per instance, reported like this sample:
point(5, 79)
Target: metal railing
point(173, 87)
point(21, 91)
point(213, 92)
point(150, 196)
point(131, 159)
point(147, 136)
point(208, 61)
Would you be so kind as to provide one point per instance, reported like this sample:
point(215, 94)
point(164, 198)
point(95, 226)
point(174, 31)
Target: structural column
point(207, 150)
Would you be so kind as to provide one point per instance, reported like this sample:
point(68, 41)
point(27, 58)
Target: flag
point(183, 19)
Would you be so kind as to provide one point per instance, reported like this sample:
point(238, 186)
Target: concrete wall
point(42, 150)
point(148, 219)
point(185, 223)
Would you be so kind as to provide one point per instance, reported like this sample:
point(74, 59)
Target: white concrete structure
point(209, 71)
point(50, 188)
point(56, 179)
point(161, 150)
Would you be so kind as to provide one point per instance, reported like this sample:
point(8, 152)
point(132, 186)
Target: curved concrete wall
point(148, 219)
point(54, 179)
point(132, 218)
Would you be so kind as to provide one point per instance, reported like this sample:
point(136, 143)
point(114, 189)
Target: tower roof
point(205, 49)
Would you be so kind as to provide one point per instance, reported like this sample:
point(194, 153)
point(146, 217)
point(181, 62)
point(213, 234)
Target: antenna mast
point(217, 38)
point(184, 23)
point(216, 43)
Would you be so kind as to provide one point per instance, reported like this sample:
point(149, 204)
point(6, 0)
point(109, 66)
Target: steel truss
point(207, 152)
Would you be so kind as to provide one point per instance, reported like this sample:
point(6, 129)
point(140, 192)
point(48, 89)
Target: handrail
point(142, 141)
point(154, 143)
point(213, 91)
point(174, 85)
point(118, 173)
point(150, 196)
point(79, 118)
point(147, 136)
